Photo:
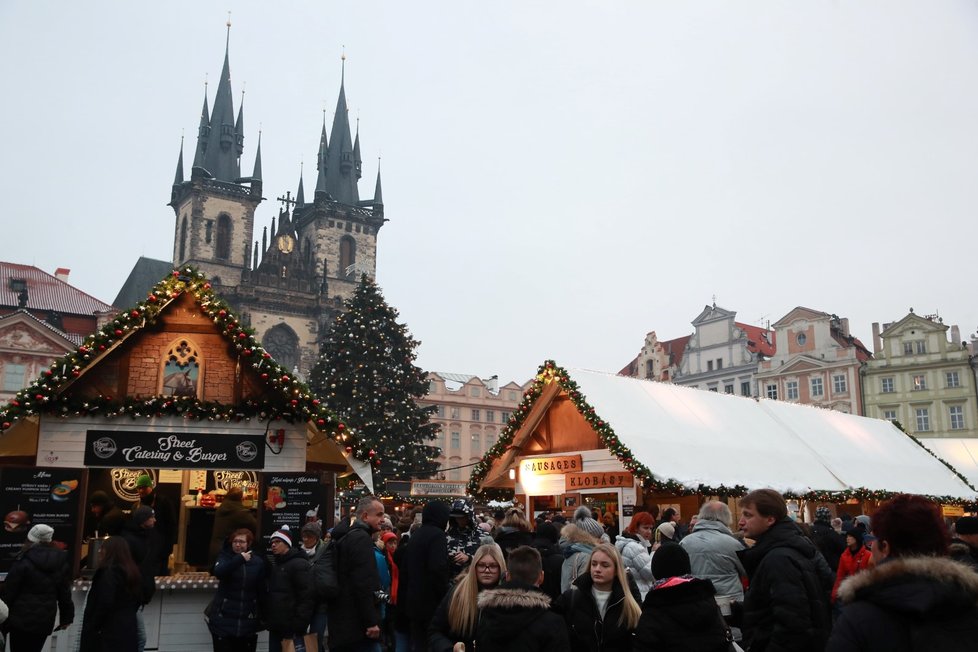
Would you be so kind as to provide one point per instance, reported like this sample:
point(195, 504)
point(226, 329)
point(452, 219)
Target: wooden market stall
point(617, 443)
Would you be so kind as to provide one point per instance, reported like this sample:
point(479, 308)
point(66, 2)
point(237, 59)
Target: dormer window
point(18, 284)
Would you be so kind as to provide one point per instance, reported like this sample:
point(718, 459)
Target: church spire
point(203, 131)
point(221, 157)
point(178, 177)
point(256, 174)
point(341, 180)
point(357, 161)
point(300, 195)
point(321, 160)
point(239, 128)
point(378, 197)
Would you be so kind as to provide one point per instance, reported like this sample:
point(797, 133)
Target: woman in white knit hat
point(37, 588)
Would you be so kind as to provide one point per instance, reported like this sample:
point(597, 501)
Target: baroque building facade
point(289, 282)
point(472, 412)
point(817, 361)
point(921, 378)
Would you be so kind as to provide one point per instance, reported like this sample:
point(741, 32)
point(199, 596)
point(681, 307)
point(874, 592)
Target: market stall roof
point(961, 453)
point(686, 440)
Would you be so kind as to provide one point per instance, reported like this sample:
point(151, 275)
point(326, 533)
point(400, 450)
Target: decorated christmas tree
point(366, 375)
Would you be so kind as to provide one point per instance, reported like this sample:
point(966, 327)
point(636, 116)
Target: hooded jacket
point(576, 544)
point(712, 550)
point(553, 561)
point(427, 563)
point(907, 604)
point(290, 599)
point(37, 588)
point(516, 617)
point(637, 560)
point(785, 608)
point(355, 608)
point(109, 623)
point(592, 632)
point(681, 613)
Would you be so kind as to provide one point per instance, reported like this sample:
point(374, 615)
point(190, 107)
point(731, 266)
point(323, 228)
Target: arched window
point(307, 252)
point(283, 344)
point(348, 254)
point(222, 249)
point(182, 370)
point(183, 240)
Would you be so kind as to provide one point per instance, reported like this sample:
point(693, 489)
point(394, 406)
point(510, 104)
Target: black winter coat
point(908, 604)
point(427, 564)
point(37, 588)
point(964, 552)
point(553, 560)
point(146, 547)
point(510, 538)
point(109, 624)
point(516, 618)
point(589, 631)
point(290, 600)
point(786, 607)
point(829, 542)
point(240, 594)
point(355, 609)
point(682, 615)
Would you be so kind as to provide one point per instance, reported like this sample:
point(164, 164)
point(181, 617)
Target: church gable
point(800, 313)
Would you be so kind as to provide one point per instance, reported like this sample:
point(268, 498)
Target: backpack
point(325, 574)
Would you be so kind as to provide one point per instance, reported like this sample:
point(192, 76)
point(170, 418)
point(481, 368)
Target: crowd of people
point(443, 579)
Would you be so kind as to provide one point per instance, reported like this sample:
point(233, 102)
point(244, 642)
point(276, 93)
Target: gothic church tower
point(290, 286)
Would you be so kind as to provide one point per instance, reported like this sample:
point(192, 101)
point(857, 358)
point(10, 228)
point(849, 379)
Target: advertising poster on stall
point(29, 496)
point(292, 499)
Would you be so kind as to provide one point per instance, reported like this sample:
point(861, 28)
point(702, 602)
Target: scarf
point(385, 537)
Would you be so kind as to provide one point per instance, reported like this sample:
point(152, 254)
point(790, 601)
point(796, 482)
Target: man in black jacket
point(428, 570)
point(785, 609)
point(108, 518)
point(165, 515)
point(146, 547)
point(290, 593)
point(354, 620)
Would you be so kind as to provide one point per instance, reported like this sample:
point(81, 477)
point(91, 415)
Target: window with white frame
point(14, 377)
point(709, 365)
point(886, 385)
point(719, 363)
point(890, 415)
point(818, 387)
point(490, 416)
point(503, 417)
point(476, 443)
point(952, 378)
point(440, 440)
point(475, 415)
point(456, 440)
point(456, 413)
point(839, 384)
point(919, 382)
point(441, 411)
point(490, 439)
point(791, 390)
point(923, 419)
point(728, 389)
point(956, 414)
point(920, 346)
point(745, 388)
point(908, 348)
point(772, 391)
point(455, 474)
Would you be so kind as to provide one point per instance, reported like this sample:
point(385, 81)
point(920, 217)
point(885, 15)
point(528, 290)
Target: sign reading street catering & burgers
point(126, 449)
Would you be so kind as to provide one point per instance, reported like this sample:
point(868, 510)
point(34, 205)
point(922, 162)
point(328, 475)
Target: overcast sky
point(560, 178)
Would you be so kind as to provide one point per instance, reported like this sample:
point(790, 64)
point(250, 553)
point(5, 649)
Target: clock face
point(285, 243)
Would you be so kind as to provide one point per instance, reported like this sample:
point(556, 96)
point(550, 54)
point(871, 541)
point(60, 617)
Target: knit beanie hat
point(40, 533)
point(823, 514)
point(312, 528)
point(142, 514)
point(670, 561)
point(856, 534)
point(584, 520)
point(667, 530)
point(282, 535)
point(966, 525)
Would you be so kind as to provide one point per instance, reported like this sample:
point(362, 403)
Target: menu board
point(30, 496)
point(292, 499)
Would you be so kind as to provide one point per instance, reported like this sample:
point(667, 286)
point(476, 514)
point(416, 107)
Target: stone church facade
point(290, 280)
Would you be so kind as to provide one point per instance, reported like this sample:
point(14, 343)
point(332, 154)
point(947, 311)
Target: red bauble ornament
point(6, 424)
point(222, 313)
point(118, 332)
point(134, 313)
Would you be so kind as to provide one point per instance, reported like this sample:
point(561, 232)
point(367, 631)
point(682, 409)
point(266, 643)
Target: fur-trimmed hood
point(914, 585)
point(512, 595)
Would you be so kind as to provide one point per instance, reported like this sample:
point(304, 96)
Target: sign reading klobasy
point(548, 465)
point(598, 480)
point(129, 449)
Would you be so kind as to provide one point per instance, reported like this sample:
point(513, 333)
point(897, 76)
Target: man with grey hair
point(712, 550)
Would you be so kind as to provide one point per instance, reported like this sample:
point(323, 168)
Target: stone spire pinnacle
point(256, 175)
point(221, 154)
point(321, 160)
point(341, 179)
point(178, 177)
point(300, 194)
point(378, 196)
point(203, 131)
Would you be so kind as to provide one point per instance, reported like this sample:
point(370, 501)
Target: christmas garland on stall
point(295, 403)
point(549, 373)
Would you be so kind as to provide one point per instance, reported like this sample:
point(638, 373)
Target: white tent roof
point(962, 454)
point(698, 437)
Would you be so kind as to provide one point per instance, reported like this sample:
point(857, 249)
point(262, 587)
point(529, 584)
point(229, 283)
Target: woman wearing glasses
point(456, 618)
point(233, 614)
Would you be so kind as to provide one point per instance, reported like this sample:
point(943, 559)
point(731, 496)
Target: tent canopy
point(961, 453)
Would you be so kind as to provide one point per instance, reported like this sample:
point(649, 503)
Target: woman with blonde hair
point(456, 618)
point(514, 531)
point(601, 609)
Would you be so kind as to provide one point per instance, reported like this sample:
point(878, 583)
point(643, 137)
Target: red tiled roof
point(47, 292)
point(760, 339)
point(674, 349)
